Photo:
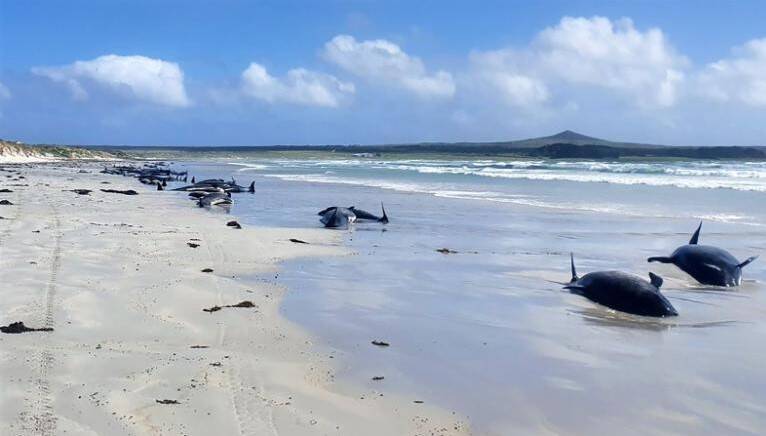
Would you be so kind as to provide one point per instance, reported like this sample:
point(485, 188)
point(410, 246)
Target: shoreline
point(124, 294)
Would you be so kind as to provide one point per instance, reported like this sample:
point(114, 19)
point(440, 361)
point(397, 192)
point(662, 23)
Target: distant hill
point(563, 145)
point(18, 152)
point(565, 137)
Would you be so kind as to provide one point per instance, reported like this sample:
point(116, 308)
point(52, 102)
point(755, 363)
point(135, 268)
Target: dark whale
point(215, 199)
point(337, 217)
point(624, 292)
point(367, 216)
point(707, 264)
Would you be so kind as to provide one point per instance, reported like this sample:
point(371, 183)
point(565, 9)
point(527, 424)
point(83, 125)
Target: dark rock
point(6, 203)
point(234, 224)
point(380, 343)
point(298, 241)
point(207, 270)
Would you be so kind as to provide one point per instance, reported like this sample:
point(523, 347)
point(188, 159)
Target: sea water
point(487, 331)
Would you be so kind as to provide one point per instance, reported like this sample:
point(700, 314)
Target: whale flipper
point(696, 236)
point(747, 261)
point(655, 279)
point(661, 259)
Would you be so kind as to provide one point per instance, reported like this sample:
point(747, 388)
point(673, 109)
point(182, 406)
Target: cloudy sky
point(283, 72)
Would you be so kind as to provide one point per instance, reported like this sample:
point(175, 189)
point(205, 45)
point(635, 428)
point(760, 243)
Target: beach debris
point(446, 251)
point(380, 343)
point(192, 244)
point(6, 203)
point(207, 270)
point(5, 190)
point(378, 378)
point(81, 191)
point(19, 327)
point(234, 224)
point(241, 304)
point(120, 191)
point(167, 401)
point(298, 241)
point(196, 347)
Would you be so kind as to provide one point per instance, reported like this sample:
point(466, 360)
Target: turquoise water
point(487, 331)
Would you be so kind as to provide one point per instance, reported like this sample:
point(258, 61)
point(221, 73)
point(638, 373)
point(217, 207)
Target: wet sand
point(489, 332)
point(133, 353)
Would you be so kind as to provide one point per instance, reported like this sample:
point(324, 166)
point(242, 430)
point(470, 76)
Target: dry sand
point(114, 277)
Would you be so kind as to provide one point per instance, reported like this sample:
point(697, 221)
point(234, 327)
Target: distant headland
point(563, 145)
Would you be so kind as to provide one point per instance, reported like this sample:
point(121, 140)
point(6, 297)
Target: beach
point(486, 329)
point(167, 321)
point(119, 279)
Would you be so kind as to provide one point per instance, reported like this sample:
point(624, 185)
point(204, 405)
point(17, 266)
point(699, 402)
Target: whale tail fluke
point(384, 218)
point(747, 261)
point(660, 259)
point(574, 271)
point(696, 236)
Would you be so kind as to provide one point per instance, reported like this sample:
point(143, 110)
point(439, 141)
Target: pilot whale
point(621, 291)
point(707, 264)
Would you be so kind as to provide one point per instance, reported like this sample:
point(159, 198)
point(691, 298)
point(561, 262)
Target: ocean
point(486, 331)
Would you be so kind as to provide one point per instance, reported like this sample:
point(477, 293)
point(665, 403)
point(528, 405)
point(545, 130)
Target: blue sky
point(257, 72)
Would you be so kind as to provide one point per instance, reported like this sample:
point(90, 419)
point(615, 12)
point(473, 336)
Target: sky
point(374, 72)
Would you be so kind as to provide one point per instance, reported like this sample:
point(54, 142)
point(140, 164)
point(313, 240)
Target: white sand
point(113, 275)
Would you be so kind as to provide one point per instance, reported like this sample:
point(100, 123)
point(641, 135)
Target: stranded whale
point(621, 291)
point(707, 264)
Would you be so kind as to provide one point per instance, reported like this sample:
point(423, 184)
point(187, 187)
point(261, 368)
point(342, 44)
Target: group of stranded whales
point(631, 294)
point(214, 192)
point(617, 290)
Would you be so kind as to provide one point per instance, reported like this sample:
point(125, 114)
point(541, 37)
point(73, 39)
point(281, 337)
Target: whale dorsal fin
point(574, 272)
point(696, 236)
point(655, 279)
point(747, 261)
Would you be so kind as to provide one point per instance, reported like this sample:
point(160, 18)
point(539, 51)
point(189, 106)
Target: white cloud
point(5, 94)
point(299, 86)
point(740, 78)
point(592, 52)
point(383, 61)
point(139, 77)
point(508, 77)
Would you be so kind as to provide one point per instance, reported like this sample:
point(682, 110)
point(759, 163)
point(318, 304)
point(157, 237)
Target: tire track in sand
point(243, 400)
point(41, 419)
